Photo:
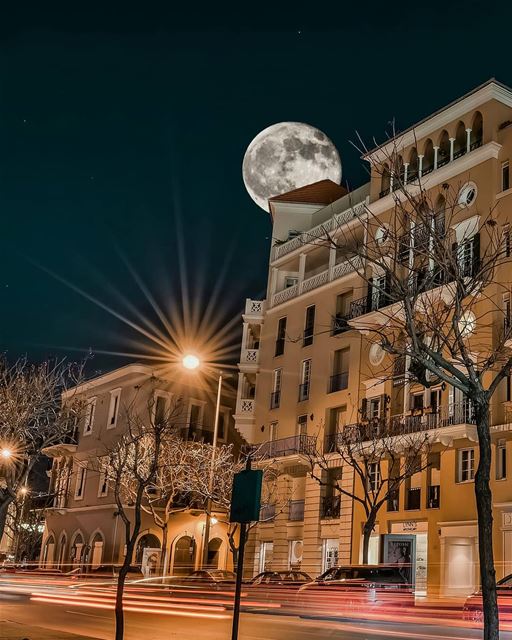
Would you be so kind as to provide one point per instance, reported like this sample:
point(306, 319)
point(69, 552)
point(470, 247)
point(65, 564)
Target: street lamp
point(192, 362)
point(6, 453)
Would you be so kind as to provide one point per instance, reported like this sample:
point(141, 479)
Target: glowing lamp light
point(190, 361)
point(213, 520)
point(6, 453)
point(23, 490)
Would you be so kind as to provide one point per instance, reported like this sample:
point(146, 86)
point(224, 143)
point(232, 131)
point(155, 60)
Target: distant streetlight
point(191, 362)
point(24, 491)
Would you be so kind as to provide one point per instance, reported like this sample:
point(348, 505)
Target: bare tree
point(32, 418)
point(133, 465)
point(434, 267)
point(382, 456)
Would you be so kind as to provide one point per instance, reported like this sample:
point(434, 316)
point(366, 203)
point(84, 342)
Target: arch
point(49, 551)
point(184, 555)
point(412, 172)
point(76, 548)
point(61, 557)
point(460, 144)
point(146, 541)
point(214, 547)
point(385, 180)
point(477, 130)
point(96, 544)
point(428, 156)
point(444, 148)
point(398, 171)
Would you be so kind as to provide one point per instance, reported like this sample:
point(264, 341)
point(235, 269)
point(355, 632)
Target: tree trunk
point(131, 537)
point(484, 509)
point(368, 528)
point(163, 551)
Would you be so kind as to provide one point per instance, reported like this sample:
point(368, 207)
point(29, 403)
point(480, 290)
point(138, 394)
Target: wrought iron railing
point(338, 382)
point(330, 507)
point(294, 445)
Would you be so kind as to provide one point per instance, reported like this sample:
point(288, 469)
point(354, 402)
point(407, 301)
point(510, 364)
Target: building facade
point(308, 365)
point(83, 528)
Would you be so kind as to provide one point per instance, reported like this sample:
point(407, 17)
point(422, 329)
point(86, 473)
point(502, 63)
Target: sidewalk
point(16, 631)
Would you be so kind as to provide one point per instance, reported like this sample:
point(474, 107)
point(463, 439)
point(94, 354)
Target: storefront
point(407, 545)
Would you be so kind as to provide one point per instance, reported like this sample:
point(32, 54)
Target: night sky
point(123, 130)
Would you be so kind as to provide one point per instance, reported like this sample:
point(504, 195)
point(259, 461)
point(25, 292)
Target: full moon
point(286, 156)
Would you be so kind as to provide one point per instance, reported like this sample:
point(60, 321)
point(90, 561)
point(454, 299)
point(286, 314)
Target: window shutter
point(369, 295)
point(476, 253)
point(383, 406)
point(364, 409)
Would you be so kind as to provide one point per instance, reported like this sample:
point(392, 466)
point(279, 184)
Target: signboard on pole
point(246, 496)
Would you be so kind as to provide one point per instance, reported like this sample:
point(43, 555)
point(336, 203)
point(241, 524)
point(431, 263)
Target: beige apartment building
point(307, 364)
point(83, 528)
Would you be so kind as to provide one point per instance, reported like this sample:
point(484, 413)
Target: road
point(97, 623)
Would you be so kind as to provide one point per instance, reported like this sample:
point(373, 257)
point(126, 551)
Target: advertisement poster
point(400, 550)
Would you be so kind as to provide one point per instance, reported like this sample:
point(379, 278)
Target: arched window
point(76, 549)
point(477, 131)
point(214, 547)
point(184, 555)
point(385, 181)
point(96, 554)
point(49, 551)
point(412, 172)
point(428, 157)
point(444, 149)
point(147, 541)
point(460, 145)
point(61, 558)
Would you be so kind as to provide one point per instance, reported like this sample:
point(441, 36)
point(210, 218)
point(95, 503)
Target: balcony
point(340, 270)
point(254, 310)
point(275, 399)
point(250, 356)
point(296, 511)
point(433, 497)
point(303, 391)
point(338, 382)
point(292, 446)
point(308, 237)
point(340, 324)
point(246, 407)
point(442, 160)
point(330, 507)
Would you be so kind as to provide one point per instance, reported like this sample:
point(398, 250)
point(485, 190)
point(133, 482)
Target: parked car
point(280, 578)
point(357, 588)
point(473, 608)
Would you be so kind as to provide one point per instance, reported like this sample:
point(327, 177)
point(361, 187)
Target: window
point(302, 425)
point(195, 418)
point(505, 176)
point(501, 460)
point(508, 382)
point(223, 422)
point(274, 427)
point(103, 479)
point(467, 195)
point(281, 336)
point(373, 476)
point(339, 378)
point(113, 409)
point(417, 401)
point(373, 408)
point(505, 239)
point(339, 324)
point(90, 410)
point(309, 326)
point(160, 407)
point(305, 380)
point(275, 396)
point(506, 312)
point(465, 465)
point(80, 480)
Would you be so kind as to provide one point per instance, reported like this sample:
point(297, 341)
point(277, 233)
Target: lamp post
point(192, 362)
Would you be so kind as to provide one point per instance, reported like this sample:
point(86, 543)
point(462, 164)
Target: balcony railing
point(296, 510)
point(294, 445)
point(338, 382)
point(250, 356)
point(303, 391)
point(330, 507)
point(442, 160)
point(433, 496)
point(254, 307)
point(246, 405)
point(351, 265)
point(275, 399)
point(308, 237)
point(340, 324)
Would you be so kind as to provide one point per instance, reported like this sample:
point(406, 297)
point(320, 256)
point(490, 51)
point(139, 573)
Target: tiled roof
point(322, 192)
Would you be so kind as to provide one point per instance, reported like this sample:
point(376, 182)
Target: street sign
point(246, 496)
